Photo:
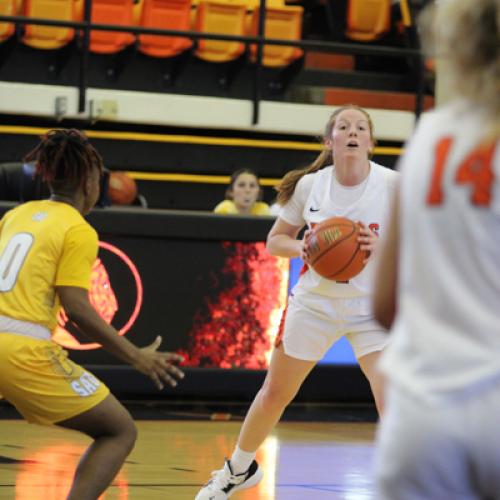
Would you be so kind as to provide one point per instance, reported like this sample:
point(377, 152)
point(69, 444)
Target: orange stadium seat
point(49, 37)
point(165, 14)
point(111, 12)
point(284, 23)
point(7, 8)
point(368, 20)
point(222, 18)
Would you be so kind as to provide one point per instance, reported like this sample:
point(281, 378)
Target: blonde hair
point(287, 185)
point(467, 33)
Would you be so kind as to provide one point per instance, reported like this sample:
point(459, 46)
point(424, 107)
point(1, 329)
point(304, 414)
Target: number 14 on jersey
point(476, 170)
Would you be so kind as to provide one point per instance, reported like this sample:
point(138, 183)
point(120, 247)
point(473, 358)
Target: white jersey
point(446, 337)
point(312, 203)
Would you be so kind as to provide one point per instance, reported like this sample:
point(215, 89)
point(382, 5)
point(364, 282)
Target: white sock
point(241, 460)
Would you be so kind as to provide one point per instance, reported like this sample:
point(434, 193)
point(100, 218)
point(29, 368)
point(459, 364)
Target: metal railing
point(344, 48)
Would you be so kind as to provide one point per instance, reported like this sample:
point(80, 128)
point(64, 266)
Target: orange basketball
point(334, 249)
point(122, 189)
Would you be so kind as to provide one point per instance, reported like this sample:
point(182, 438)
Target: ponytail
point(287, 185)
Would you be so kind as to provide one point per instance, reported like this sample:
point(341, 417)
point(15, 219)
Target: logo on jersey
point(86, 385)
point(120, 311)
point(39, 216)
point(374, 227)
point(311, 209)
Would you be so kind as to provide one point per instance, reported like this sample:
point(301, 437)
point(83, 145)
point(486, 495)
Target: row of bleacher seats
point(228, 17)
point(367, 20)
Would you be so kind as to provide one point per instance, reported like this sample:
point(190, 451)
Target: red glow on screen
point(237, 327)
point(103, 299)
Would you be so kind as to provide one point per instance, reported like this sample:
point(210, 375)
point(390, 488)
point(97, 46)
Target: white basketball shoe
point(224, 482)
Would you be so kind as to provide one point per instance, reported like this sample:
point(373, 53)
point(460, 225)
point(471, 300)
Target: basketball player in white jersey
point(341, 182)
point(438, 282)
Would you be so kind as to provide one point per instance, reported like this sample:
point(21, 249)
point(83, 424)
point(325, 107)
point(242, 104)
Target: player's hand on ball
point(367, 240)
point(304, 249)
point(159, 366)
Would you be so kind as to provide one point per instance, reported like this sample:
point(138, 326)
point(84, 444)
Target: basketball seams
point(337, 242)
point(336, 251)
point(333, 276)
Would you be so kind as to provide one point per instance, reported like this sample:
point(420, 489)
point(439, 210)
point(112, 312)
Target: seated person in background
point(243, 195)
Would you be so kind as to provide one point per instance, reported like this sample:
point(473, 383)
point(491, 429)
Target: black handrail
point(260, 40)
point(84, 60)
point(346, 48)
point(258, 63)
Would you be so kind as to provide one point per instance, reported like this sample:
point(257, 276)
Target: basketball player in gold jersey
point(46, 253)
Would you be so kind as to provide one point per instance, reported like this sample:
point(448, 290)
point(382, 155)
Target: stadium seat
point(7, 8)
point(281, 23)
point(253, 4)
point(111, 12)
point(165, 14)
point(49, 37)
point(227, 18)
point(137, 11)
point(368, 20)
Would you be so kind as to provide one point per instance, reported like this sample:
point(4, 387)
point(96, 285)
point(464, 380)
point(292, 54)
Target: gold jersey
point(227, 207)
point(43, 245)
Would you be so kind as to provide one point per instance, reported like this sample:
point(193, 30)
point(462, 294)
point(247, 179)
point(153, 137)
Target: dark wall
point(179, 157)
point(182, 260)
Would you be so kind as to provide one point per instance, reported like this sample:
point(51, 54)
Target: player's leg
point(308, 332)
point(283, 380)
point(114, 433)
point(46, 387)
point(368, 339)
point(421, 450)
point(369, 365)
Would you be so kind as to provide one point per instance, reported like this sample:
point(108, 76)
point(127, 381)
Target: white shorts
point(439, 451)
point(313, 323)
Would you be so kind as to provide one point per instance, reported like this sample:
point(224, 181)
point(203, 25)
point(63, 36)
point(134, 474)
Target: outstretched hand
point(159, 366)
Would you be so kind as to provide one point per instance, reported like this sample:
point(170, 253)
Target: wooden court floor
point(301, 461)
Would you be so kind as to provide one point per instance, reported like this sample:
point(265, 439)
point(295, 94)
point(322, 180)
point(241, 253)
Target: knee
point(130, 435)
point(126, 433)
point(275, 398)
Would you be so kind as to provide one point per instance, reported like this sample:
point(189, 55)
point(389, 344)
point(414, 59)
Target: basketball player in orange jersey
point(438, 283)
point(46, 253)
point(342, 182)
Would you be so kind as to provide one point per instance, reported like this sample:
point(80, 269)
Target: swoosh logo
point(311, 209)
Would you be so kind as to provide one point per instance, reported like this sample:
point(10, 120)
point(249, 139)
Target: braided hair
point(65, 159)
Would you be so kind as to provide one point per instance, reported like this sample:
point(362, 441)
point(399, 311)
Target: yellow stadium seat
point(253, 4)
point(221, 18)
point(165, 14)
point(368, 20)
point(281, 23)
point(119, 12)
point(137, 11)
point(49, 37)
point(7, 8)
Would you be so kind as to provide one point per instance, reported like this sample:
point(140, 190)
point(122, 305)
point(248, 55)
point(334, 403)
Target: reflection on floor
point(302, 461)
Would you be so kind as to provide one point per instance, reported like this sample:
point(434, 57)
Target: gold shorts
point(45, 386)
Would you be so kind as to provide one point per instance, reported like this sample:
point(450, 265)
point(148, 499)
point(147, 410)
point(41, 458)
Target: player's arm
point(282, 239)
point(159, 366)
point(386, 276)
